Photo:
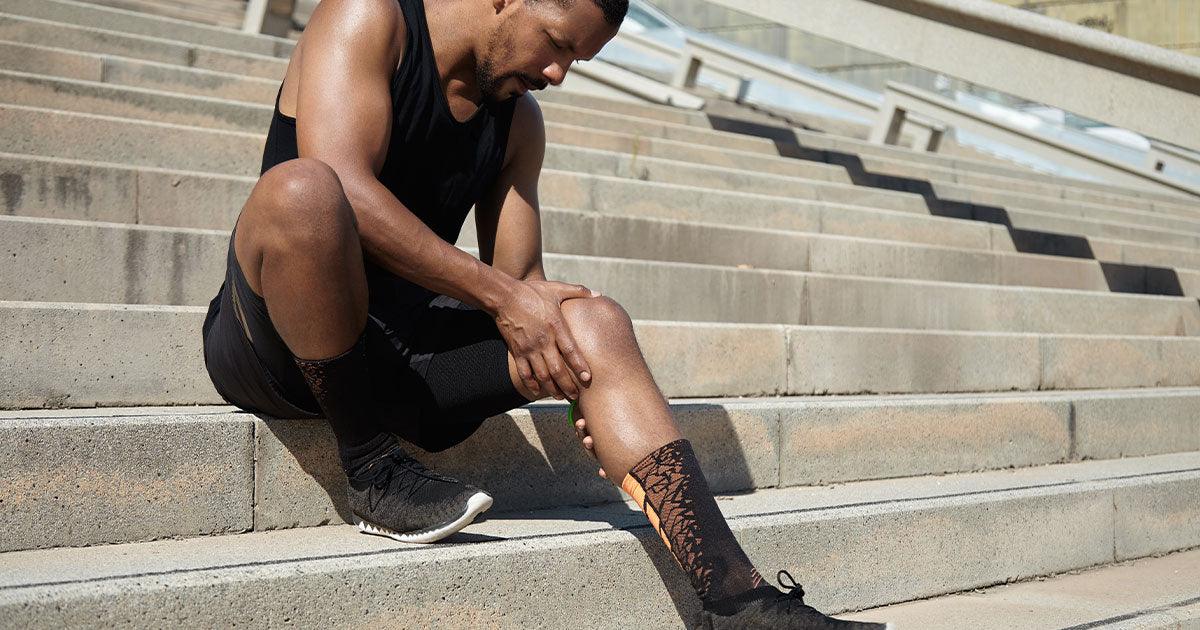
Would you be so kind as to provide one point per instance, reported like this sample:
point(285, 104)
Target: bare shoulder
point(377, 26)
point(527, 134)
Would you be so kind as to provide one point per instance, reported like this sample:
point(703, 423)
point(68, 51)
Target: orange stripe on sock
point(638, 494)
point(634, 490)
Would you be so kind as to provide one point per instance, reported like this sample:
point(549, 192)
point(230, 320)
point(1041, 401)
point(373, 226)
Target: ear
point(498, 5)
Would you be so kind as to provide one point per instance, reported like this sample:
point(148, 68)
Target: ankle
point(356, 457)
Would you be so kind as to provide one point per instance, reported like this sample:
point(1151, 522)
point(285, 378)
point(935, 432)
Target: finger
point(562, 377)
point(579, 432)
point(581, 424)
point(525, 371)
point(603, 474)
point(569, 350)
point(542, 374)
point(567, 291)
point(587, 443)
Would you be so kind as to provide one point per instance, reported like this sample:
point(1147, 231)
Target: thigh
point(248, 363)
point(453, 375)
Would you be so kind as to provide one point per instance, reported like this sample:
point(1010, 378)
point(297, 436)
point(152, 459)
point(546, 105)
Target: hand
point(585, 438)
point(531, 322)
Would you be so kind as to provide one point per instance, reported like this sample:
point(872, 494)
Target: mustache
point(538, 84)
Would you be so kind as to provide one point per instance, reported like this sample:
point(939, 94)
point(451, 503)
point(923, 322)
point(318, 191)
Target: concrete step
point(19, 29)
point(90, 97)
point(150, 355)
point(818, 139)
point(227, 18)
point(70, 261)
point(71, 64)
point(842, 144)
point(189, 148)
point(854, 546)
point(168, 472)
point(57, 62)
point(41, 187)
point(136, 22)
point(939, 176)
point(69, 189)
point(1157, 593)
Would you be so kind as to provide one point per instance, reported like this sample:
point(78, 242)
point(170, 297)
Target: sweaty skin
point(348, 54)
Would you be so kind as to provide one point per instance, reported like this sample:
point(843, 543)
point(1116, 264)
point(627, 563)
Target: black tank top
point(436, 166)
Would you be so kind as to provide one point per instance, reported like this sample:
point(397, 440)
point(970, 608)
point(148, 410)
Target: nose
point(555, 73)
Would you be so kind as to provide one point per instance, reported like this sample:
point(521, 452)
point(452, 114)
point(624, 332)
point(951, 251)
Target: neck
point(455, 49)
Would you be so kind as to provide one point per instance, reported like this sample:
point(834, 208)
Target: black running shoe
point(767, 607)
point(396, 496)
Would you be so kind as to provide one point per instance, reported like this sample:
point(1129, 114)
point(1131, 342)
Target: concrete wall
point(1173, 24)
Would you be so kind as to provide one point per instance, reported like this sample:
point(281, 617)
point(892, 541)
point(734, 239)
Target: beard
point(489, 81)
point(489, 84)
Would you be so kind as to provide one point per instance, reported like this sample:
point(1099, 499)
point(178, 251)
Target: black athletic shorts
point(435, 384)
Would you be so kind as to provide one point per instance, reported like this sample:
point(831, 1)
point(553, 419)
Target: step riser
point(133, 73)
point(91, 40)
point(222, 18)
point(1056, 189)
point(182, 110)
point(161, 364)
point(271, 70)
point(148, 145)
point(1027, 213)
point(582, 160)
point(812, 140)
point(200, 35)
point(57, 262)
point(107, 480)
point(212, 114)
point(71, 190)
point(127, 22)
point(868, 557)
point(223, 472)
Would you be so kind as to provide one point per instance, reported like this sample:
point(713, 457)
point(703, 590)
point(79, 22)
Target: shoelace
point(792, 588)
point(418, 476)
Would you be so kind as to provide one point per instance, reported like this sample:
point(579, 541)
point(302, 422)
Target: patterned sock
point(342, 387)
point(670, 487)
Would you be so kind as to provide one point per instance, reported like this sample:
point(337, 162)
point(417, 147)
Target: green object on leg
point(571, 413)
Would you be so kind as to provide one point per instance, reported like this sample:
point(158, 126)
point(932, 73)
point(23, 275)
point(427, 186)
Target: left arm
point(507, 218)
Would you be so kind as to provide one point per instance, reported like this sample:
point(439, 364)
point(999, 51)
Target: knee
point(302, 200)
point(599, 325)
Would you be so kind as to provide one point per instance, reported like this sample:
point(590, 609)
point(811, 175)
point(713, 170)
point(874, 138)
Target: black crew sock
point(342, 387)
point(671, 489)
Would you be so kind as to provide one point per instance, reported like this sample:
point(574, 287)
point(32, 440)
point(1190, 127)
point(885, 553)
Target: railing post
point(743, 90)
point(935, 139)
point(256, 12)
point(889, 123)
point(687, 70)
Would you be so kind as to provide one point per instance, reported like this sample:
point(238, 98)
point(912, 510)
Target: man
point(346, 299)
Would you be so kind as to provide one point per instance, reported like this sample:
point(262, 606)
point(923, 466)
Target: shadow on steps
point(1121, 278)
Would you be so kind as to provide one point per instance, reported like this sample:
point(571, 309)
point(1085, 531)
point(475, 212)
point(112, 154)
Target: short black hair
point(614, 10)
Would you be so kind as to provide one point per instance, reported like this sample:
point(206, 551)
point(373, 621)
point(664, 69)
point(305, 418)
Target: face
point(535, 42)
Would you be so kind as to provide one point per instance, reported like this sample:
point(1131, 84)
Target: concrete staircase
point(909, 375)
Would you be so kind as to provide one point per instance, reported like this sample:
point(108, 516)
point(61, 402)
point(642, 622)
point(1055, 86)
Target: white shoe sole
point(477, 504)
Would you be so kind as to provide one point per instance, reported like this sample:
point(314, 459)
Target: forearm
point(395, 239)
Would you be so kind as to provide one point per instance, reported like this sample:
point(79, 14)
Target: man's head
point(532, 43)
